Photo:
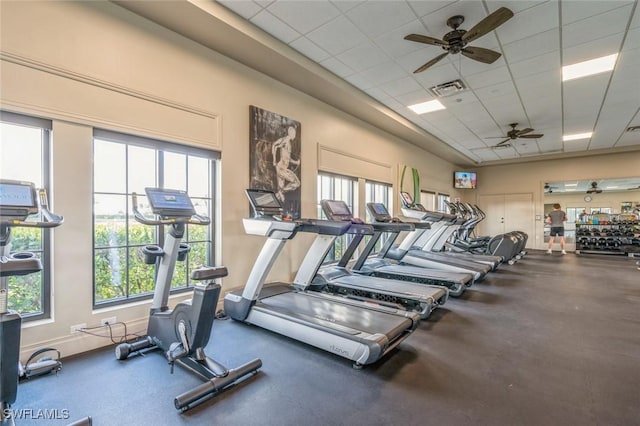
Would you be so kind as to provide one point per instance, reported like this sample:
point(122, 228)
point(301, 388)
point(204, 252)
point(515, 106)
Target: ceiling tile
point(346, 5)
point(579, 145)
point(394, 44)
point(337, 67)
point(309, 49)
point(534, 46)
point(514, 6)
point(363, 56)
point(360, 81)
point(304, 16)
point(401, 86)
point(596, 27)
point(496, 90)
point(576, 10)
point(422, 8)
point(437, 75)
point(337, 36)
point(436, 21)
point(632, 41)
point(546, 62)
point(246, 9)
point(592, 49)
point(411, 98)
point(378, 94)
point(383, 73)
point(275, 27)
point(529, 22)
point(378, 17)
point(488, 78)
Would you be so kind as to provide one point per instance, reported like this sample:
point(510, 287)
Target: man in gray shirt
point(556, 219)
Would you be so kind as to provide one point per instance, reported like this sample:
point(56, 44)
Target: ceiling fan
point(456, 41)
point(594, 189)
point(548, 188)
point(514, 134)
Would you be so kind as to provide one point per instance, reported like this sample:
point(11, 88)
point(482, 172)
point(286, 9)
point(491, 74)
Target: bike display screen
point(170, 202)
point(17, 195)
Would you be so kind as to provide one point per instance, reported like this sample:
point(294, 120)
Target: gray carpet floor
point(552, 340)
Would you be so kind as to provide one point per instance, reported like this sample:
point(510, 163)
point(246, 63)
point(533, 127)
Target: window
point(334, 187)
point(573, 214)
point(595, 210)
point(378, 193)
point(24, 155)
point(441, 205)
point(125, 164)
point(428, 199)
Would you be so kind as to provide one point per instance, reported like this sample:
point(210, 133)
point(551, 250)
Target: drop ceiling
point(339, 49)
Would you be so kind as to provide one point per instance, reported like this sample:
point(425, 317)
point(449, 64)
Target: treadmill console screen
point(17, 199)
point(407, 199)
point(262, 199)
point(264, 203)
point(170, 202)
point(379, 212)
point(336, 210)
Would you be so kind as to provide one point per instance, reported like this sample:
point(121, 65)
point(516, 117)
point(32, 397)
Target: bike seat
point(209, 273)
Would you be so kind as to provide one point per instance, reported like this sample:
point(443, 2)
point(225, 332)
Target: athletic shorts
point(557, 231)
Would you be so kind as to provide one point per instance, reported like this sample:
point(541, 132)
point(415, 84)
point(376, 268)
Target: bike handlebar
point(51, 220)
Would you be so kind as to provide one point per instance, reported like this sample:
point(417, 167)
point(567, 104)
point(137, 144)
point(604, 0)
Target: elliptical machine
point(18, 201)
point(183, 332)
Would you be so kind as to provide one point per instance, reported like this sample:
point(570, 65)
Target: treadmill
point(338, 279)
point(442, 232)
point(413, 251)
point(386, 264)
point(341, 326)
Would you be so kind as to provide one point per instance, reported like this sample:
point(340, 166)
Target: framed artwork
point(274, 152)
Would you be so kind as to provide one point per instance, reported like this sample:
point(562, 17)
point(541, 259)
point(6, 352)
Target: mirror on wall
point(591, 196)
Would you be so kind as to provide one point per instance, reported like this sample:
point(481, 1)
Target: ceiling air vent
point(448, 89)
point(633, 129)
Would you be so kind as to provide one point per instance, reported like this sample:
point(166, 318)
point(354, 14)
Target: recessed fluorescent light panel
point(577, 136)
point(593, 66)
point(426, 107)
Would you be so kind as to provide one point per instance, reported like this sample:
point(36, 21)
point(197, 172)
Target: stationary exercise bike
point(18, 200)
point(182, 332)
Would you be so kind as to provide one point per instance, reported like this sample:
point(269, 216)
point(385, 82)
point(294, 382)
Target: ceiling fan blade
point(532, 136)
point(426, 40)
point(431, 62)
point(480, 54)
point(495, 137)
point(502, 143)
point(488, 24)
point(507, 145)
point(523, 131)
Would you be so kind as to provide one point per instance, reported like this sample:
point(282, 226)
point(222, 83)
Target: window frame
point(46, 252)
point(161, 148)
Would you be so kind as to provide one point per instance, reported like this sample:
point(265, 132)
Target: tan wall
point(530, 177)
point(93, 64)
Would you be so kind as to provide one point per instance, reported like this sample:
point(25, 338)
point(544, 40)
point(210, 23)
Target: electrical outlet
point(75, 329)
point(110, 321)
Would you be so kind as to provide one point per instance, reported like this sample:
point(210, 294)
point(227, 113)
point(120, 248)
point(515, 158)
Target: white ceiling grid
point(362, 42)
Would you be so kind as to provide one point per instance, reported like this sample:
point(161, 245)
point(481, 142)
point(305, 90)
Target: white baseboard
point(82, 342)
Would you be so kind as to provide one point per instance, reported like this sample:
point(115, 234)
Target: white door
point(507, 212)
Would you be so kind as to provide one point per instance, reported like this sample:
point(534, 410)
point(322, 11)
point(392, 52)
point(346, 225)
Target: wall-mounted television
point(465, 180)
